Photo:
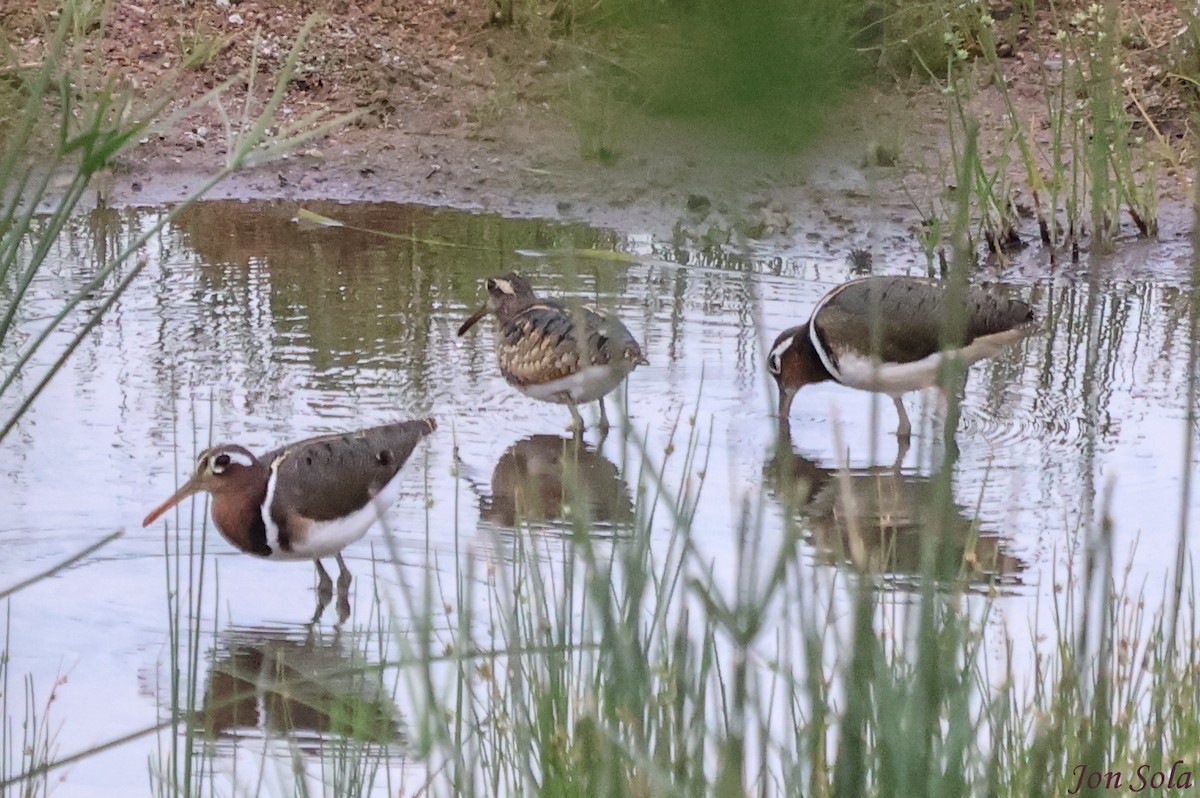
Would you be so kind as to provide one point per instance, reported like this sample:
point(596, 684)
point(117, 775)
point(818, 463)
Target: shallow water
point(246, 326)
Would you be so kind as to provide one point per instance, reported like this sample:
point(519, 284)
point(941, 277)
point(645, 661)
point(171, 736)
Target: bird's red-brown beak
point(185, 490)
point(786, 395)
point(470, 322)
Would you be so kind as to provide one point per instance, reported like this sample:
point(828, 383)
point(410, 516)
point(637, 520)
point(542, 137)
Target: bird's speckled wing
point(549, 340)
point(909, 313)
point(333, 475)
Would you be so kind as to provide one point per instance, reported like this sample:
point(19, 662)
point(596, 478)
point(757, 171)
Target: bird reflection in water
point(881, 520)
point(547, 478)
point(277, 682)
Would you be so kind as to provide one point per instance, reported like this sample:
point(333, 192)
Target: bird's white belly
point(327, 538)
point(586, 385)
point(869, 374)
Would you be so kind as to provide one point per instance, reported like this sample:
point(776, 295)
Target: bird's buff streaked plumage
point(553, 350)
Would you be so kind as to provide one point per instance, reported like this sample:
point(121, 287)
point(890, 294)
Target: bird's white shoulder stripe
point(826, 360)
point(268, 521)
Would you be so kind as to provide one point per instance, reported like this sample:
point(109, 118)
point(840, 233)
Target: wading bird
point(884, 334)
point(305, 500)
point(554, 351)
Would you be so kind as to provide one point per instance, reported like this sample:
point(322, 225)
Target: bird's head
point(793, 363)
point(222, 471)
point(507, 294)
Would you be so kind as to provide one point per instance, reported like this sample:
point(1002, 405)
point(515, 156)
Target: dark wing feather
point(333, 475)
point(549, 340)
point(902, 316)
point(990, 314)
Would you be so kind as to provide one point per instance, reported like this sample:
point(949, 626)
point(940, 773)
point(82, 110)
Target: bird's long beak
point(187, 489)
point(786, 395)
point(476, 316)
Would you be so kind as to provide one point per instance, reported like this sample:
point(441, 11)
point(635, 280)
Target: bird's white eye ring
point(219, 462)
point(775, 358)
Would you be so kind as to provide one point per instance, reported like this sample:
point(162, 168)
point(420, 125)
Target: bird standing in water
point(884, 334)
point(305, 500)
point(554, 351)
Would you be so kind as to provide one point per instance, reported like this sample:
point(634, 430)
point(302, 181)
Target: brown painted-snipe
point(884, 334)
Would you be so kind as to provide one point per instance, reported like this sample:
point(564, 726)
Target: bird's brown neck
point(238, 516)
point(809, 367)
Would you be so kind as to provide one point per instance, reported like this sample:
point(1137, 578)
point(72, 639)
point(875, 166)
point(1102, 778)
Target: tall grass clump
point(767, 70)
point(764, 72)
point(622, 662)
point(179, 769)
point(1092, 167)
point(1113, 175)
point(1086, 155)
point(27, 737)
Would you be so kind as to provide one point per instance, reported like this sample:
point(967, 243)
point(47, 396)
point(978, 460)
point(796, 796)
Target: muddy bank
point(455, 111)
point(673, 184)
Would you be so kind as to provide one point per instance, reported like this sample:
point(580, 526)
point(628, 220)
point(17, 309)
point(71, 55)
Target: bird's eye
point(489, 284)
point(773, 364)
point(219, 463)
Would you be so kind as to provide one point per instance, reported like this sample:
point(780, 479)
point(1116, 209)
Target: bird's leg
point(904, 431)
point(603, 416)
point(317, 613)
point(343, 574)
point(324, 583)
point(783, 435)
point(901, 452)
point(950, 452)
point(343, 590)
point(953, 389)
point(324, 591)
point(576, 419)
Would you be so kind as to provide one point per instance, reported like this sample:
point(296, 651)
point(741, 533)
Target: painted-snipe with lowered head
point(305, 500)
point(554, 351)
point(884, 334)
